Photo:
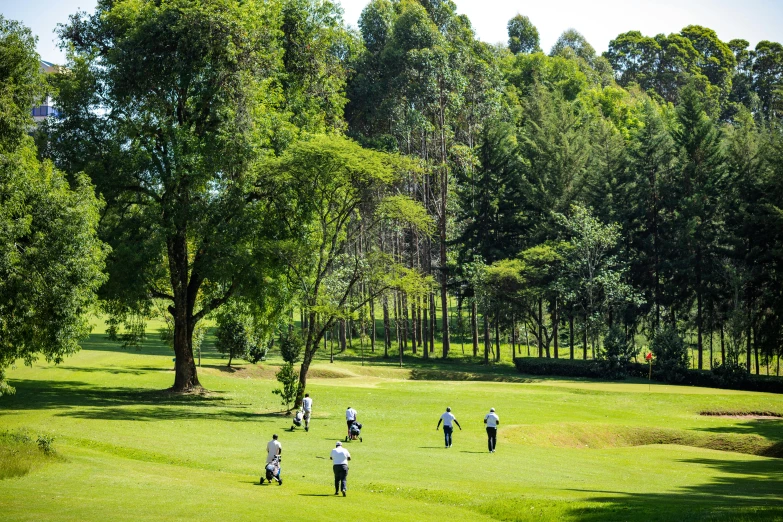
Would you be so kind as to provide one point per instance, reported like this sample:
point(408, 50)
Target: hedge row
point(703, 378)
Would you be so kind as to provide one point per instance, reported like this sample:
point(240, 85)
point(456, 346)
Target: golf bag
point(356, 431)
point(272, 470)
point(298, 418)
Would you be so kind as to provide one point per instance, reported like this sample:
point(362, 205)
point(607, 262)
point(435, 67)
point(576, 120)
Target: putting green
point(568, 450)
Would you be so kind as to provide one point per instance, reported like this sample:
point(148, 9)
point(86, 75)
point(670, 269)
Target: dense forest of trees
point(405, 183)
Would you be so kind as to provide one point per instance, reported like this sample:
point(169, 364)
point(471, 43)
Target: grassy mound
point(21, 453)
point(604, 436)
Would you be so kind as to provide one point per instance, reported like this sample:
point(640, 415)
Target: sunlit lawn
point(567, 449)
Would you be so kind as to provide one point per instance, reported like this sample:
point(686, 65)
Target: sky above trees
point(598, 20)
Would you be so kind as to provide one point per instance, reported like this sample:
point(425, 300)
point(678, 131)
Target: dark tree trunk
point(386, 328)
point(185, 289)
point(540, 327)
point(426, 325)
point(699, 311)
point(497, 335)
point(397, 333)
point(433, 322)
point(474, 326)
point(419, 325)
point(444, 304)
point(571, 334)
point(373, 331)
point(722, 346)
point(555, 321)
point(414, 336)
point(486, 340)
point(405, 329)
point(312, 341)
point(584, 341)
point(756, 349)
point(343, 327)
point(749, 355)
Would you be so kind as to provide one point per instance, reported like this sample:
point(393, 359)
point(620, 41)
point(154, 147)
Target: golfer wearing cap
point(447, 418)
point(273, 448)
point(340, 458)
point(492, 421)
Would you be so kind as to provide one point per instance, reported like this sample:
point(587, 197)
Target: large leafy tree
point(51, 260)
point(167, 107)
point(522, 35)
point(343, 196)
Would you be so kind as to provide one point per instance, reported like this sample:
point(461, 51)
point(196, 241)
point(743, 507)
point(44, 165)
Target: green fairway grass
point(567, 450)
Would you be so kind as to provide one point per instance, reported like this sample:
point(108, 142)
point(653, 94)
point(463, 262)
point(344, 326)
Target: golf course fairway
point(567, 449)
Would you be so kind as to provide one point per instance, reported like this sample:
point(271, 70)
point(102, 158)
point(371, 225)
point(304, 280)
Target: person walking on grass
point(492, 421)
point(350, 418)
point(273, 449)
point(307, 406)
point(340, 458)
point(447, 418)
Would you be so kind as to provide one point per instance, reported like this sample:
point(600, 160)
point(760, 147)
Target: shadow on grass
point(85, 401)
point(99, 342)
point(745, 490)
point(130, 370)
point(768, 428)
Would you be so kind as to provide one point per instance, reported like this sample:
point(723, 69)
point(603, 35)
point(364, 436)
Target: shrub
point(289, 379)
point(671, 356)
point(615, 358)
point(729, 375)
point(256, 352)
point(291, 345)
point(231, 336)
point(561, 367)
point(20, 453)
point(45, 444)
point(704, 378)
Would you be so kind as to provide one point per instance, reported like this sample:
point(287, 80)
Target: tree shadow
point(100, 343)
point(749, 489)
point(129, 370)
point(768, 428)
point(78, 399)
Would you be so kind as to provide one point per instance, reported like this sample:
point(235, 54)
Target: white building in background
point(46, 109)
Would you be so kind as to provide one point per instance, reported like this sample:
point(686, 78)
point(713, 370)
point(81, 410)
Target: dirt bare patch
point(602, 436)
point(323, 373)
point(248, 371)
point(745, 415)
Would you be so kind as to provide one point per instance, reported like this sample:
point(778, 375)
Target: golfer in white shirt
point(492, 421)
point(307, 406)
point(350, 418)
point(273, 448)
point(340, 458)
point(447, 418)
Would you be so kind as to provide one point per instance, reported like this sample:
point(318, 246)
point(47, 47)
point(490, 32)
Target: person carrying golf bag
point(272, 471)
